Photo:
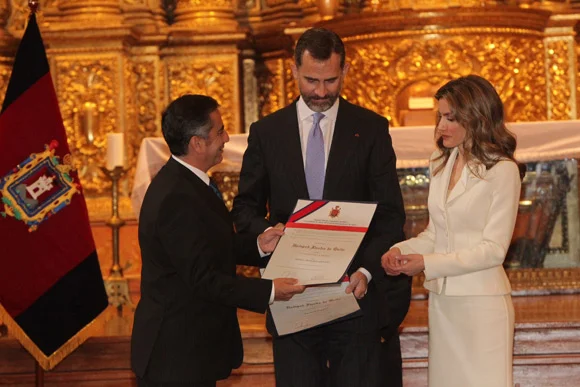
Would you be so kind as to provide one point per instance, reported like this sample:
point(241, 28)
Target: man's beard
point(318, 104)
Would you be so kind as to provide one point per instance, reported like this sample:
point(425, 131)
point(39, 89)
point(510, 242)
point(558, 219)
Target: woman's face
point(450, 131)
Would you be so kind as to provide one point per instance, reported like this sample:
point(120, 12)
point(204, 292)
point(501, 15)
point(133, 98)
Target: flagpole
point(39, 375)
point(38, 370)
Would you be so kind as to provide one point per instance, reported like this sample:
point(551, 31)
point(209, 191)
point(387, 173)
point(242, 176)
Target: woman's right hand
point(390, 261)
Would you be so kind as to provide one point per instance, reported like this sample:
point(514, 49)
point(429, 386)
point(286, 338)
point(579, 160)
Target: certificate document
point(320, 241)
point(317, 305)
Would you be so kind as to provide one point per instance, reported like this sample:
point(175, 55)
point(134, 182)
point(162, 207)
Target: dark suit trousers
point(343, 354)
point(146, 383)
point(392, 362)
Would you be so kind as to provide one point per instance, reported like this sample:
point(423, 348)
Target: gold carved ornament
point(87, 91)
point(214, 76)
point(558, 67)
point(142, 106)
point(382, 68)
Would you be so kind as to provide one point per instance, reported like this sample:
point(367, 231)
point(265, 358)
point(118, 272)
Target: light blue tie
point(314, 169)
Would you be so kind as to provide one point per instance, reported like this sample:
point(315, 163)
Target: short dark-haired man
point(323, 147)
point(186, 330)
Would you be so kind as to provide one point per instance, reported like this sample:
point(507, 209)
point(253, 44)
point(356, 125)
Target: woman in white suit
point(473, 203)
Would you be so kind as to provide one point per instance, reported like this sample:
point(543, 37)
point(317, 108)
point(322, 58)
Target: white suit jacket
point(469, 231)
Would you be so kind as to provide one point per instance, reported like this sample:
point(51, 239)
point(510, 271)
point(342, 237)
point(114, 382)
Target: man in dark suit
point(323, 147)
point(186, 330)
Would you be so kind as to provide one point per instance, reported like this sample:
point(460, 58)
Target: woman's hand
point(412, 264)
point(390, 261)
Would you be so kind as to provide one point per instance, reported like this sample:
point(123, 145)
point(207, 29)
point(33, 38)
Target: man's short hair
point(321, 44)
point(184, 118)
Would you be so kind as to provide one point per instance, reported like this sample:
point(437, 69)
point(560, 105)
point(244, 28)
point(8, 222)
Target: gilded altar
point(117, 63)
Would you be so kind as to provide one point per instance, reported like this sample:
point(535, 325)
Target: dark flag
point(51, 286)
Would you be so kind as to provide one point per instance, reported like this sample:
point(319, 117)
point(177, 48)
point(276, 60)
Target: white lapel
point(467, 180)
point(446, 176)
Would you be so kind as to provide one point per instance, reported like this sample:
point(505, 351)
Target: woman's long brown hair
point(476, 106)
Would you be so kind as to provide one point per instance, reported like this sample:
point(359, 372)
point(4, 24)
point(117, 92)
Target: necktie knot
point(215, 188)
point(317, 117)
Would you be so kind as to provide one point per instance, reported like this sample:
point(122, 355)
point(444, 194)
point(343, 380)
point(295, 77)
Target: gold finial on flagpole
point(33, 5)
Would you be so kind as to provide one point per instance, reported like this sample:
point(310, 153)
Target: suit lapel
point(290, 142)
point(465, 182)
point(341, 141)
point(207, 195)
point(446, 178)
point(459, 188)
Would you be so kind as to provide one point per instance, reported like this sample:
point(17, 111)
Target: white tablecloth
point(545, 140)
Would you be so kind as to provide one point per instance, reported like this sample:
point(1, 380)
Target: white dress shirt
point(205, 178)
point(327, 124)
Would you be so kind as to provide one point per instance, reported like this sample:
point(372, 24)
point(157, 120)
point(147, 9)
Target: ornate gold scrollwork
point(216, 76)
point(142, 105)
point(384, 66)
point(558, 71)
point(87, 90)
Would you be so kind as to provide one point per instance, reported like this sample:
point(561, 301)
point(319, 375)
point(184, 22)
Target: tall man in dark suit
point(186, 330)
point(323, 147)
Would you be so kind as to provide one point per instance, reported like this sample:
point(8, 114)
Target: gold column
point(205, 15)
point(560, 73)
point(203, 56)
point(140, 14)
point(91, 11)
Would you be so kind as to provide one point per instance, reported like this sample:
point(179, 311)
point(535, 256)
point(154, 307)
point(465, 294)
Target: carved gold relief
point(291, 91)
point(273, 3)
point(276, 84)
point(270, 84)
point(5, 71)
point(91, 12)
point(382, 69)
point(134, 2)
point(142, 107)
point(87, 90)
point(559, 80)
point(19, 12)
point(216, 76)
point(204, 3)
point(206, 15)
point(425, 4)
point(577, 82)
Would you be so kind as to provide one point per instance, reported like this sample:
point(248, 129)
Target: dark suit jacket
point(361, 167)
point(186, 327)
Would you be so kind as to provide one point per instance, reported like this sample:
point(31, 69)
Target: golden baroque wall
point(216, 75)
point(383, 67)
point(88, 90)
point(116, 73)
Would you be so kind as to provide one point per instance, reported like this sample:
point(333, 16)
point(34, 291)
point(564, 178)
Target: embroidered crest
point(38, 187)
point(334, 212)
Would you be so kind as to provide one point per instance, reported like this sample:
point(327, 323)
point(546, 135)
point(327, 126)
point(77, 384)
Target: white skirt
point(470, 341)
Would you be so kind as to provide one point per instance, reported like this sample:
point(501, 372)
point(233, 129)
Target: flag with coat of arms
point(51, 286)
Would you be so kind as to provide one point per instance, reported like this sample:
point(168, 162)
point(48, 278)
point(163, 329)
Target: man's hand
point(358, 285)
point(285, 288)
point(269, 239)
point(391, 261)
